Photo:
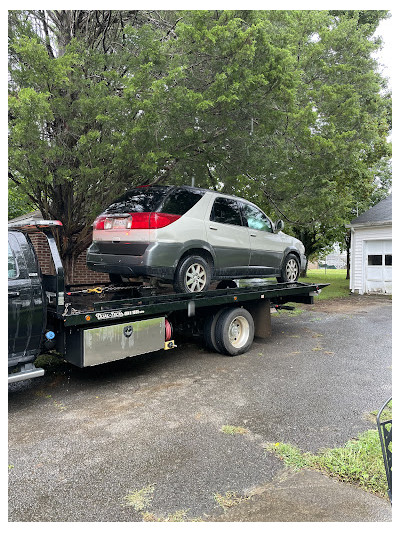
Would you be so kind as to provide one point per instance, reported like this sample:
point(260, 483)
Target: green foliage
point(18, 202)
point(358, 461)
point(286, 108)
point(51, 361)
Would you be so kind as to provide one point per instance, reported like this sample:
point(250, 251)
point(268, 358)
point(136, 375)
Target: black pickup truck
point(90, 326)
point(27, 303)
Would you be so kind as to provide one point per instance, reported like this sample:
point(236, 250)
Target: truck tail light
point(134, 221)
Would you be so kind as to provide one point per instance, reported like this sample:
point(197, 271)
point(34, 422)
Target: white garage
point(371, 250)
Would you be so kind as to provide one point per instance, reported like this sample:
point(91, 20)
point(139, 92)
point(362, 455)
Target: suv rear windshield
point(141, 200)
point(150, 199)
point(179, 201)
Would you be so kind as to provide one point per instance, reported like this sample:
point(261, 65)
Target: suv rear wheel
point(290, 269)
point(193, 274)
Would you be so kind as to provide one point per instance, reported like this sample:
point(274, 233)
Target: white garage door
point(378, 261)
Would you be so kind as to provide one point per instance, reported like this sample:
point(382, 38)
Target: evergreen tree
point(283, 107)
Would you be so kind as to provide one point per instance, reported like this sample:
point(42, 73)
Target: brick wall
point(81, 274)
point(43, 253)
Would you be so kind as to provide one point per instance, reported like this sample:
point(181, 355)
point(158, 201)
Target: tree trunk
point(68, 262)
point(305, 269)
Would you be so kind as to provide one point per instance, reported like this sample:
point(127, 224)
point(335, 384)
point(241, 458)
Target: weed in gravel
point(386, 413)
point(291, 455)
point(234, 430)
point(177, 516)
point(229, 499)
point(140, 499)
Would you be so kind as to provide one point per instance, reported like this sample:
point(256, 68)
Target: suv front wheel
point(193, 274)
point(290, 270)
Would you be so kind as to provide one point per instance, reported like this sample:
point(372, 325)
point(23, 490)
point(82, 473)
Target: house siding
point(359, 237)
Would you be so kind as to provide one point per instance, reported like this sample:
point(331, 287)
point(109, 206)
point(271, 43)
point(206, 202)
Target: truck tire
point(290, 270)
point(234, 332)
point(193, 274)
point(209, 331)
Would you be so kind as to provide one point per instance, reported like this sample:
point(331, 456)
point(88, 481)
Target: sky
point(386, 30)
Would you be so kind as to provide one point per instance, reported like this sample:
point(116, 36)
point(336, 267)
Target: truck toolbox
point(102, 344)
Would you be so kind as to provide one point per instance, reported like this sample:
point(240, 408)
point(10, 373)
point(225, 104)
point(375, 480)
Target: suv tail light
point(99, 222)
point(160, 220)
point(134, 221)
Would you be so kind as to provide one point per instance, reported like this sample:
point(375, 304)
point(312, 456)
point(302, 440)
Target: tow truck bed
point(80, 313)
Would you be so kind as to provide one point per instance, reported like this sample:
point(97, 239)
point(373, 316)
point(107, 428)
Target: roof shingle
point(379, 213)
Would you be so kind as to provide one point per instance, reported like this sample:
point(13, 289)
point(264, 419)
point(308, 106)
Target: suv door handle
point(214, 228)
point(253, 234)
point(13, 294)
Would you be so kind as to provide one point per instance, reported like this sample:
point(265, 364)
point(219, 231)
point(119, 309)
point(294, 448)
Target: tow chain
point(98, 290)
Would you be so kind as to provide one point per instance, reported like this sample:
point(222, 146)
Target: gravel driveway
point(142, 438)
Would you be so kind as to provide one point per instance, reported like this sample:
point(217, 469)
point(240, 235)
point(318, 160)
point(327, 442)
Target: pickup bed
point(90, 326)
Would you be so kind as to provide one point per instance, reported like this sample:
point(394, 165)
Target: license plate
point(120, 222)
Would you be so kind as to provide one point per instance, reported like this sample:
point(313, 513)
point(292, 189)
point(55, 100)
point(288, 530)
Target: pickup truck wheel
point(234, 332)
point(209, 331)
point(290, 270)
point(193, 274)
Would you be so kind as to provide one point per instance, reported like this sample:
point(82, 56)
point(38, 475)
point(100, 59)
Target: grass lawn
point(339, 285)
point(338, 288)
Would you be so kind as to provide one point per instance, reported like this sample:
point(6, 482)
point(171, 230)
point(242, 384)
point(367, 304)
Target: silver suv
point(191, 236)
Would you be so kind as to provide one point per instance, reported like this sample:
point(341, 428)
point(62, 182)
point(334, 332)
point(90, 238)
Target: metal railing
point(385, 435)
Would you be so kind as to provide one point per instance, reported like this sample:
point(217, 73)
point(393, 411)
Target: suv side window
point(178, 202)
point(255, 218)
point(226, 211)
point(12, 264)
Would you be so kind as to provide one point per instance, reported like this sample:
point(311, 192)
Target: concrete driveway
point(142, 439)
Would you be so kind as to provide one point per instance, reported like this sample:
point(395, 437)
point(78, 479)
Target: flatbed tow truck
point(90, 326)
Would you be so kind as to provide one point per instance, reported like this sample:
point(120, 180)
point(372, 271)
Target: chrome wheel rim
point(238, 331)
point(292, 270)
point(195, 277)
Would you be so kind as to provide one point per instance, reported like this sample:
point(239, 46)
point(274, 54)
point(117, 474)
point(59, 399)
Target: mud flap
point(261, 313)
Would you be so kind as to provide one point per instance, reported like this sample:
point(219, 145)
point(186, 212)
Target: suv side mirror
point(279, 225)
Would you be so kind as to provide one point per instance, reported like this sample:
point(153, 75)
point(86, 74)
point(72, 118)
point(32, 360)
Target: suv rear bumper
point(161, 257)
